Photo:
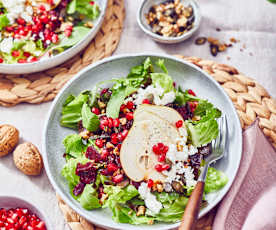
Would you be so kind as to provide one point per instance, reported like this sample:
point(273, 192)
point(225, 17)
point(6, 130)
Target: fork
point(192, 209)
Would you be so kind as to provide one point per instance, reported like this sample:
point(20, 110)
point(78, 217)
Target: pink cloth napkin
point(250, 204)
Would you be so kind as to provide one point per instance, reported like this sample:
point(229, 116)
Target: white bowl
point(184, 74)
point(60, 58)
point(8, 202)
point(141, 19)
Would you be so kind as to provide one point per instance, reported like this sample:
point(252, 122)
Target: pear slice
point(164, 112)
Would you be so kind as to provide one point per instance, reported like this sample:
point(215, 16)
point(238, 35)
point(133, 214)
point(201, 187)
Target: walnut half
point(27, 159)
point(9, 137)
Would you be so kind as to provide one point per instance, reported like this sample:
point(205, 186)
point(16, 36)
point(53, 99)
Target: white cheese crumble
point(16, 9)
point(6, 45)
point(150, 200)
point(156, 94)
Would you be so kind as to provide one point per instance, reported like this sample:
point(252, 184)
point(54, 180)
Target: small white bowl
point(8, 202)
point(141, 19)
point(51, 62)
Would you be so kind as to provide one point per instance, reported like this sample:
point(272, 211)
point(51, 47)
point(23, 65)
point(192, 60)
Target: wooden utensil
point(218, 150)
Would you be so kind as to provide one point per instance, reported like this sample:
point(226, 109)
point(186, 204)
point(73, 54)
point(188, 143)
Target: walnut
point(27, 158)
point(9, 137)
point(141, 210)
point(159, 187)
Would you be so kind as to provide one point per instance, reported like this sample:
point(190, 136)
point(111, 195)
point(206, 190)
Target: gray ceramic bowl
point(60, 58)
point(185, 74)
point(141, 19)
point(8, 202)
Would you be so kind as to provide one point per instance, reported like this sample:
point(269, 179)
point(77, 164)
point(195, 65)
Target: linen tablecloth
point(250, 21)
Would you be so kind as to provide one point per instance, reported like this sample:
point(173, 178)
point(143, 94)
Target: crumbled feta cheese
point(156, 94)
point(150, 200)
point(6, 45)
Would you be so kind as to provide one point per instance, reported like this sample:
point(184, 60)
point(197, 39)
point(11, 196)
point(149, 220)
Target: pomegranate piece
point(129, 116)
point(118, 178)
point(96, 111)
point(150, 183)
point(191, 92)
point(93, 154)
point(146, 101)
point(179, 124)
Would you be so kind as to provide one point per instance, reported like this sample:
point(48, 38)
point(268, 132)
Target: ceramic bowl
point(60, 58)
point(141, 19)
point(8, 202)
point(184, 74)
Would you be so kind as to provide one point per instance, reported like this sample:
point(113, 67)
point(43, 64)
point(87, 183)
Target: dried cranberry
point(93, 154)
point(135, 184)
point(78, 189)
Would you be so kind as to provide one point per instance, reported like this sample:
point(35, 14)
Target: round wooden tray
point(41, 87)
point(251, 101)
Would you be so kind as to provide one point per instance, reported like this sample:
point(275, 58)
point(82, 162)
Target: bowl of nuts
point(16, 213)
point(170, 21)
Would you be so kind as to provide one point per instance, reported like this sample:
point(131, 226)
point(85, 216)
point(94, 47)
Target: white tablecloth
point(253, 22)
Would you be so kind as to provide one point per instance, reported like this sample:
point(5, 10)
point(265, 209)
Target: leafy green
point(90, 121)
point(161, 64)
point(182, 97)
point(203, 132)
point(215, 180)
point(206, 111)
point(79, 32)
point(69, 170)
point(84, 7)
point(89, 198)
point(73, 145)
point(141, 71)
point(4, 21)
point(163, 80)
point(71, 110)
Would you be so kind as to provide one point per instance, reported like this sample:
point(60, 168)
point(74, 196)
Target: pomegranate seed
point(99, 143)
point(110, 122)
point(158, 168)
point(120, 137)
point(165, 167)
point(104, 154)
point(22, 61)
point(129, 116)
point(155, 149)
point(193, 105)
point(22, 220)
point(146, 101)
point(67, 33)
point(40, 226)
point(21, 21)
point(118, 178)
point(15, 53)
point(104, 122)
point(150, 183)
point(179, 124)
point(1, 60)
point(191, 92)
point(42, 8)
point(124, 133)
point(95, 110)
point(161, 157)
point(130, 105)
point(165, 149)
point(160, 145)
point(27, 54)
point(92, 3)
point(111, 167)
point(34, 59)
point(116, 122)
point(123, 106)
point(9, 29)
point(114, 138)
point(55, 38)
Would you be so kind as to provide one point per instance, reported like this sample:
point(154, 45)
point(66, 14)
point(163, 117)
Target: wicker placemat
point(41, 87)
point(251, 101)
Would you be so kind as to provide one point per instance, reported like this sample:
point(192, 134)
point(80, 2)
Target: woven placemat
point(42, 87)
point(251, 101)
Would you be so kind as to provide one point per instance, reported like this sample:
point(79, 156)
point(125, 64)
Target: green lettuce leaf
point(74, 146)
point(141, 71)
point(206, 111)
point(161, 64)
point(203, 132)
point(69, 170)
point(84, 7)
point(182, 97)
point(215, 180)
point(4, 21)
point(71, 110)
point(90, 121)
point(163, 80)
point(89, 198)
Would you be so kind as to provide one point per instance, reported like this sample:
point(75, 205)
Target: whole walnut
point(9, 137)
point(27, 158)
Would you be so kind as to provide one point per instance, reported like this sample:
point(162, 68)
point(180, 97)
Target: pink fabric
point(251, 202)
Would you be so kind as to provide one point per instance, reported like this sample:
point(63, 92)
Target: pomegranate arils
point(118, 178)
point(95, 110)
point(150, 183)
point(116, 122)
point(191, 92)
point(111, 167)
point(99, 143)
point(130, 105)
point(1, 60)
point(161, 158)
point(158, 168)
point(179, 124)
point(87, 172)
point(15, 53)
point(129, 116)
point(146, 101)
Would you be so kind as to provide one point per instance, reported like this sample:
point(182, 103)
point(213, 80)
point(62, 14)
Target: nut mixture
point(171, 18)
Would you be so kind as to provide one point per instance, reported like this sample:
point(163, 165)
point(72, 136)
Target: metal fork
point(218, 146)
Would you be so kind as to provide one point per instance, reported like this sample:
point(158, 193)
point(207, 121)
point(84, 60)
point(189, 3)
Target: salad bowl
point(183, 74)
point(61, 44)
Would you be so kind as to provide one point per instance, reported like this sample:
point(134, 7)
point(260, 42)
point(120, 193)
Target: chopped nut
point(214, 50)
point(90, 24)
point(159, 187)
point(123, 121)
point(154, 187)
point(221, 48)
point(233, 40)
point(103, 198)
point(84, 134)
point(116, 151)
point(101, 104)
point(213, 41)
point(109, 145)
point(151, 222)
point(141, 211)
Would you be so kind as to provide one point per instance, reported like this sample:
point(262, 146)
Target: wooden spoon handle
point(191, 211)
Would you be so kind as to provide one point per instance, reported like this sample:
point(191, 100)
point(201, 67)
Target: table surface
point(250, 21)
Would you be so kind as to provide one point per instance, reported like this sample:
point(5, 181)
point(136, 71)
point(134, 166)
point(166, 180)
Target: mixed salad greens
point(38, 29)
point(105, 119)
